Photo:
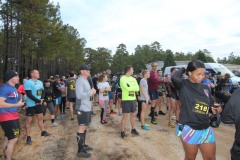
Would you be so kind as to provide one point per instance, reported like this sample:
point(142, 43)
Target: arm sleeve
point(29, 94)
point(80, 94)
point(177, 78)
point(43, 94)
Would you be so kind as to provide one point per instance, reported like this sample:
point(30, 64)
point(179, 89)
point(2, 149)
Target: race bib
point(131, 94)
point(49, 98)
point(201, 108)
point(39, 92)
point(105, 93)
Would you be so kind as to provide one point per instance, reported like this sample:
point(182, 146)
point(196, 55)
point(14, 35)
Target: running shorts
point(84, 118)
point(31, 111)
point(58, 101)
point(110, 95)
point(153, 95)
point(71, 100)
point(11, 128)
point(129, 106)
point(191, 136)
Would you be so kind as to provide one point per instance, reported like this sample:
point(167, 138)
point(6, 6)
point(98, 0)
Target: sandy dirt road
point(160, 143)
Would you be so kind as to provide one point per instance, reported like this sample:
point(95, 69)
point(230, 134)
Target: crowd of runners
point(185, 96)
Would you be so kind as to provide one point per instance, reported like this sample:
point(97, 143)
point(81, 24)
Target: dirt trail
point(159, 143)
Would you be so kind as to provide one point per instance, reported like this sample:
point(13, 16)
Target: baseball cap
point(84, 67)
point(207, 72)
point(9, 75)
point(46, 80)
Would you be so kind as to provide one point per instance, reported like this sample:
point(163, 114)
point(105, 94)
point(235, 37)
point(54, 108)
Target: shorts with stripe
point(191, 136)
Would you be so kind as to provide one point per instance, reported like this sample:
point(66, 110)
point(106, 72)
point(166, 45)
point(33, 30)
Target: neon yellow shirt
point(129, 86)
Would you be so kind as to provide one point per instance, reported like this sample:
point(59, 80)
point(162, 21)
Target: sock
point(80, 139)
point(85, 132)
point(102, 114)
point(52, 120)
point(111, 110)
point(152, 112)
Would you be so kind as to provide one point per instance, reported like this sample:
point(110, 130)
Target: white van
point(214, 68)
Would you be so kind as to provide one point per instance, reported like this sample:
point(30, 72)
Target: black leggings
point(63, 105)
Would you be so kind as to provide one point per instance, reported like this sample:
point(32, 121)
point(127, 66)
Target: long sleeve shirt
point(154, 81)
point(84, 94)
point(129, 86)
point(195, 99)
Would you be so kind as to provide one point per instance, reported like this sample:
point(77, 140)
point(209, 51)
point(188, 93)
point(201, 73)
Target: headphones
point(215, 120)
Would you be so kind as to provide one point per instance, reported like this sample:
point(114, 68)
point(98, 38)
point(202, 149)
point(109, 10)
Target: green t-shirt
point(129, 86)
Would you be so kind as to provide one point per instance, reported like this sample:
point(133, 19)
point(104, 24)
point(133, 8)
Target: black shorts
point(174, 95)
point(84, 118)
point(119, 95)
point(31, 111)
point(129, 106)
point(160, 94)
point(71, 100)
point(153, 95)
point(11, 128)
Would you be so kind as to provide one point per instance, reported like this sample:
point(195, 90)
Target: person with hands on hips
point(193, 127)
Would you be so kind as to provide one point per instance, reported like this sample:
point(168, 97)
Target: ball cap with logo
point(9, 75)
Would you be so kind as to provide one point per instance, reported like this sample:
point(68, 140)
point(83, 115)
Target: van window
point(224, 71)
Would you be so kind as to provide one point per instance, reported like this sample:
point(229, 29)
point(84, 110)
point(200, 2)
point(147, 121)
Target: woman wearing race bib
point(193, 128)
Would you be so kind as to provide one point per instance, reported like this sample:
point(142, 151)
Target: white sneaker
point(54, 124)
point(173, 117)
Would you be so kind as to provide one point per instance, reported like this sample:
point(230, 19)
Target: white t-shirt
point(103, 96)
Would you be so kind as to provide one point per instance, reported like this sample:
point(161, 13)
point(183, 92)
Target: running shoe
point(148, 125)
point(45, 133)
point(72, 119)
point(135, 132)
point(54, 124)
point(83, 154)
point(93, 113)
point(119, 113)
point(103, 122)
point(112, 112)
point(145, 127)
point(170, 124)
point(154, 122)
point(59, 118)
point(29, 140)
point(156, 114)
point(87, 148)
point(106, 121)
point(173, 117)
point(161, 113)
point(123, 134)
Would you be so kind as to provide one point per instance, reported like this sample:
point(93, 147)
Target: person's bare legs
point(8, 147)
point(190, 150)
point(144, 108)
point(132, 119)
point(123, 121)
point(208, 151)
point(28, 123)
point(71, 108)
point(40, 121)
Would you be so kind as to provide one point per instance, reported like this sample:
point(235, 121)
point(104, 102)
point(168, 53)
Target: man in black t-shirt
point(138, 95)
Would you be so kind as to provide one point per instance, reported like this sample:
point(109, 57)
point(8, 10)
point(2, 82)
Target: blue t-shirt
point(10, 93)
point(36, 88)
point(206, 81)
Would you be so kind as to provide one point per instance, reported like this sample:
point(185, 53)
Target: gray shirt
point(83, 94)
point(70, 84)
point(143, 83)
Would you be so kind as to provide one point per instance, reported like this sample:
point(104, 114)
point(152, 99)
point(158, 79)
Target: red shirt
point(154, 81)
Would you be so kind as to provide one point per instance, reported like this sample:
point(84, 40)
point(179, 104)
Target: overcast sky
point(179, 25)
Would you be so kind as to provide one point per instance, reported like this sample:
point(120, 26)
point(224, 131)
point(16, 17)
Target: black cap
point(46, 80)
point(84, 67)
point(9, 75)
